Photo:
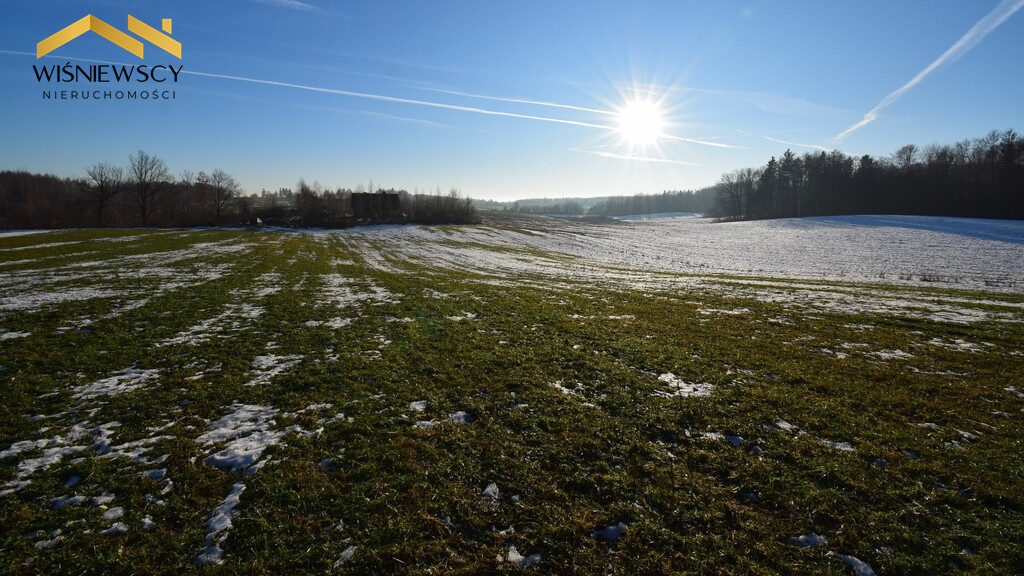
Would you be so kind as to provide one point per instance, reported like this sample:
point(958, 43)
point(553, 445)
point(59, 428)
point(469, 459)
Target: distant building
point(379, 207)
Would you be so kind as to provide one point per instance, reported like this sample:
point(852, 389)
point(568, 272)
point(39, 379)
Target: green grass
point(410, 498)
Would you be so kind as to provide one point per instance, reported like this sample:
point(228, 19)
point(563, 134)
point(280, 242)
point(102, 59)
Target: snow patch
point(245, 433)
point(841, 446)
point(460, 417)
point(809, 540)
point(492, 493)
point(268, 366)
point(892, 355)
point(346, 555)
point(115, 529)
point(512, 555)
point(219, 525)
point(113, 513)
point(333, 323)
point(860, 568)
point(610, 533)
point(681, 388)
point(120, 383)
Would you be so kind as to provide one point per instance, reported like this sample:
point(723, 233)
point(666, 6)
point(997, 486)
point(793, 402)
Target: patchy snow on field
point(854, 252)
point(12, 233)
point(860, 568)
point(809, 540)
point(219, 524)
point(876, 265)
point(346, 555)
point(344, 292)
point(892, 355)
point(765, 260)
point(512, 555)
point(93, 274)
point(985, 254)
point(841, 446)
point(244, 434)
point(460, 417)
point(268, 366)
point(39, 246)
point(37, 300)
point(610, 533)
point(120, 383)
point(83, 437)
point(681, 388)
point(957, 344)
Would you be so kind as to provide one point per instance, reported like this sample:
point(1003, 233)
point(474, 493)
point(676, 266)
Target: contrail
point(290, 4)
point(696, 141)
point(395, 99)
point(522, 101)
point(382, 98)
point(634, 157)
point(976, 34)
point(578, 108)
point(786, 142)
point(365, 95)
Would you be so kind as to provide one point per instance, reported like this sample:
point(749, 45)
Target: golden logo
point(94, 24)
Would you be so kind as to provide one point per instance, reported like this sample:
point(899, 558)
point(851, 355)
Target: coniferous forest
point(977, 178)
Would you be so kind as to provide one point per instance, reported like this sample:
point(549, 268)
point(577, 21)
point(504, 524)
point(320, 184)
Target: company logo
point(111, 81)
point(91, 23)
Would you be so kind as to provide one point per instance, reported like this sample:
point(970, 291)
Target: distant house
point(379, 207)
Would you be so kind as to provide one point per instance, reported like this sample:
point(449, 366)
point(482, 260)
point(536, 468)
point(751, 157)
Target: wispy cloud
point(417, 121)
point(781, 104)
point(787, 142)
point(699, 141)
point(521, 101)
point(635, 157)
point(290, 4)
point(976, 34)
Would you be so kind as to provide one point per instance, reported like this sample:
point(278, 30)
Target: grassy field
point(273, 402)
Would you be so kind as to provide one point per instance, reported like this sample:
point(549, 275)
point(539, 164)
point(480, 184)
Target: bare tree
point(905, 157)
point(187, 179)
point(105, 181)
point(150, 175)
point(223, 191)
point(731, 193)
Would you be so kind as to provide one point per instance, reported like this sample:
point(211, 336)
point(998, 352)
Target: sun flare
point(640, 122)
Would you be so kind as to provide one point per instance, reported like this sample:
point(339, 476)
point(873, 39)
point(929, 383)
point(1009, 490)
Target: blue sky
point(520, 99)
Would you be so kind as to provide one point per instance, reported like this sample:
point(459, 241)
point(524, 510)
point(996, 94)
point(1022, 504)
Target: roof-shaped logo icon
point(91, 23)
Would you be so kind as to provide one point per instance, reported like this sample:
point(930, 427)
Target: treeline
point(569, 207)
point(699, 201)
point(977, 178)
point(144, 193)
point(314, 205)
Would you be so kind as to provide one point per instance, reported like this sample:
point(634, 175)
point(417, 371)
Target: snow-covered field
point(842, 260)
point(910, 250)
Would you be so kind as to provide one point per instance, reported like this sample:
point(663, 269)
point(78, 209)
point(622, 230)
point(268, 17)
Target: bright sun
point(640, 122)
